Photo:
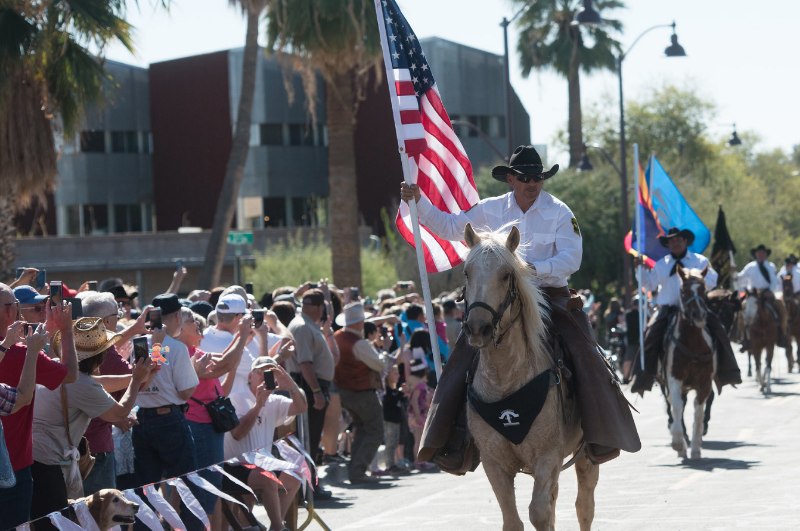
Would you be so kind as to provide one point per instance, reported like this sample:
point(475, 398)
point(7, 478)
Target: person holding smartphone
point(32, 304)
point(15, 502)
point(260, 411)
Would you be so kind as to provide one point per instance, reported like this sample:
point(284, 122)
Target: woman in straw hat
point(55, 472)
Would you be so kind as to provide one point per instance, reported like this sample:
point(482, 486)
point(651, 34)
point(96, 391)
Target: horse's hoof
point(695, 455)
point(749, 373)
point(682, 453)
point(678, 447)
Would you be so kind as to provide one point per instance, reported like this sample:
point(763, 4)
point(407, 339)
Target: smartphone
point(26, 328)
point(41, 279)
point(313, 286)
point(248, 288)
point(140, 348)
point(353, 294)
point(258, 318)
point(56, 293)
point(404, 284)
point(269, 380)
point(77, 307)
point(324, 314)
point(154, 316)
point(92, 285)
point(178, 265)
point(20, 270)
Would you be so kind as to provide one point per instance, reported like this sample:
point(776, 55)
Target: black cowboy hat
point(761, 247)
point(119, 293)
point(792, 259)
point(524, 162)
point(675, 231)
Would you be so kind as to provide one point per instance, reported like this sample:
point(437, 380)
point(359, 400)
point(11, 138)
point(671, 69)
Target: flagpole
point(640, 250)
point(412, 204)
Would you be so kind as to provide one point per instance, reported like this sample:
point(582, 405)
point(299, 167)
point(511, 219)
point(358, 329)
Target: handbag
point(86, 460)
point(222, 413)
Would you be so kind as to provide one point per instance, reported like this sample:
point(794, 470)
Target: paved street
point(747, 478)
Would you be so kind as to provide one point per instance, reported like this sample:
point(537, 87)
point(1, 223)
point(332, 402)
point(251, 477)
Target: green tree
point(234, 171)
point(48, 78)
point(548, 40)
point(340, 40)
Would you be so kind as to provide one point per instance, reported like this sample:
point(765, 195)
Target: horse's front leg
point(768, 370)
point(588, 474)
point(699, 415)
point(502, 483)
point(542, 510)
point(676, 399)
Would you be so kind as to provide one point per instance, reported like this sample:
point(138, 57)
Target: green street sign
point(239, 238)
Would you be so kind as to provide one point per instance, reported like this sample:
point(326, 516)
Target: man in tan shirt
point(358, 376)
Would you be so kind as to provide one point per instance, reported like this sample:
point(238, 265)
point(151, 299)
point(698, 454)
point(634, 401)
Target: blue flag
point(671, 208)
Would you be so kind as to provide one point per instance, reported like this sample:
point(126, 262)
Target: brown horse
point(762, 323)
point(690, 362)
point(505, 321)
point(793, 318)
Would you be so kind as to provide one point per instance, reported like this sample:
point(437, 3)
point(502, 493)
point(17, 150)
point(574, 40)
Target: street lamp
point(673, 50)
point(507, 78)
point(586, 164)
point(587, 15)
point(734, 141)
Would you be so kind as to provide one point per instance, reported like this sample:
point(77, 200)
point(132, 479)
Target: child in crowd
point(418, 404)
point(393, 405)
point(438, 318)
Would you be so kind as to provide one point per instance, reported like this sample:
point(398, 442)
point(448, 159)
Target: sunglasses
point(528, 178)
point(36, 309)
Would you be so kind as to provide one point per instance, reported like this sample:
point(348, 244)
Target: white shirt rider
point(551, 239)
point(787, 270)
point(669, 286)
point(751, 277)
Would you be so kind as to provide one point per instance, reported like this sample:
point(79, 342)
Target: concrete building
point(106, 171)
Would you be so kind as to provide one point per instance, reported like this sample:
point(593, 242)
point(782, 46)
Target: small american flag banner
point(437, 160)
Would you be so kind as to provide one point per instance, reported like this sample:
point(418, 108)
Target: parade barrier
point(295, 461)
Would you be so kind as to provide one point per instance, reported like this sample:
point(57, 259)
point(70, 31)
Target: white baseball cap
point(231, 303)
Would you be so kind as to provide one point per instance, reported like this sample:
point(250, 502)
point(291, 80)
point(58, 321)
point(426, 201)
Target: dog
point(109, 508)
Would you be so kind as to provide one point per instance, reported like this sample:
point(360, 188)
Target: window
point(474, 121)
point(127, 218)
point(73, 219)
point(501, 126)
point(483, 122)
point(300, 135)
point(322, 132)
point(117, 142)
point(95, 219)
point(146, 143)
point(132, 142)
point(271, 134)
point(93, 142)
point(274, 211)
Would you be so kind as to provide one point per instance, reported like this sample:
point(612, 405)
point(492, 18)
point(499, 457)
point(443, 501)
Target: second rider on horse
point(664, 277)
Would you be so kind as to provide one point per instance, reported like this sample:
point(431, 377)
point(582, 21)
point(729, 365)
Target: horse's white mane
point(535, 310)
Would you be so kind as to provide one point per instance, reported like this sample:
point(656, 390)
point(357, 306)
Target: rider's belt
point(513, 416)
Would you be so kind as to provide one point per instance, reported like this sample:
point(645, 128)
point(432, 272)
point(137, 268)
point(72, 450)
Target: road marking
point(694, 478)
point(745, 434)
point(779, 401)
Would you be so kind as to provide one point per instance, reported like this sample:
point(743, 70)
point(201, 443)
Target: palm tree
point(226, 204)
point(47, 80)
point(548, 40)
point(340, 40)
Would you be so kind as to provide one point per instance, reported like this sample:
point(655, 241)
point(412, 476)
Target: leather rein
point(680, 347)
point(497, 315)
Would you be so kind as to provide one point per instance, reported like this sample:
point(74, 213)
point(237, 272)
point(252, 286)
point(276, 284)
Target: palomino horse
point(793, 319)
point(762, 323)
point(505, 321)
point(690, 361)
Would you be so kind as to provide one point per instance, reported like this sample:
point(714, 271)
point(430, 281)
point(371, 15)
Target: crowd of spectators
point(99, 390)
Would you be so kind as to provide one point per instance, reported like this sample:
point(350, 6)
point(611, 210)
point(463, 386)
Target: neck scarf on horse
point(513, 416)
point(678, 259)
point(764, 272)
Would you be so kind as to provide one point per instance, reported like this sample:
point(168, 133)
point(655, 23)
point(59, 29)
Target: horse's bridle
point(701, 301)
point(497, 315)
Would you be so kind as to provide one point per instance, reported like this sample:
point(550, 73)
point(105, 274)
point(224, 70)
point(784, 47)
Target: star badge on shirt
point(575, 227)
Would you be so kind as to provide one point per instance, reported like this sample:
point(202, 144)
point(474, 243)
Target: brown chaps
point(727, 368)
point(606, 418)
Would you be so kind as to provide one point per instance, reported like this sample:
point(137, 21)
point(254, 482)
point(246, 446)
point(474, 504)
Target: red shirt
point(17, 428)
point(99, 431)
point(206, 392)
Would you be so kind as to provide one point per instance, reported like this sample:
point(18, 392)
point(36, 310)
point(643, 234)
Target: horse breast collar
point(513, 416)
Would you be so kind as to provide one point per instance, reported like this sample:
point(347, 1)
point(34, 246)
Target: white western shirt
point(751, 278)
point(669, 287)
point(550, 241)
point(795, 278)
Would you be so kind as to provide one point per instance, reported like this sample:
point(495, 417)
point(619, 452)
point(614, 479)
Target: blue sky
point(742, 58)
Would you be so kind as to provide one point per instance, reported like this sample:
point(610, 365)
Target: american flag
point(437, 160)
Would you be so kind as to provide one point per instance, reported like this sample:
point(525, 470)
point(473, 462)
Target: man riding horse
point(789, 270)
point(552, 246)
point(663, 276)
point(760, 275)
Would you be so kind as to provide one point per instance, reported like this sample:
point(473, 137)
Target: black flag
point(722, 252)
